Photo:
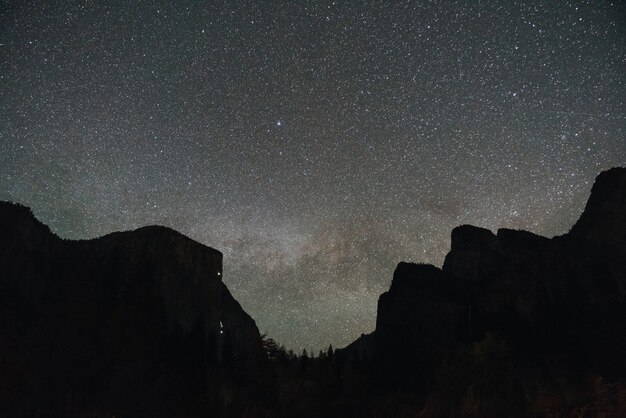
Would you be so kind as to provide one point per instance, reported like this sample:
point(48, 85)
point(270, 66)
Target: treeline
point(480, 379)
point(279, 353)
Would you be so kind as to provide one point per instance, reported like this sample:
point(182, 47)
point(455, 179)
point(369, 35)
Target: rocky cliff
point(135, 323)
point(560, 303)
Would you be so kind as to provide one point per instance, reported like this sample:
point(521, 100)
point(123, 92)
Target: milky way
point(315, 144)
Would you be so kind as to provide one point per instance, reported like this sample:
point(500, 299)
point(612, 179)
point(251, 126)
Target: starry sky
point(315, 143)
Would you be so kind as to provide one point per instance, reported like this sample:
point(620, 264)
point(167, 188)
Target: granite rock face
point(135, 322)
point(559, 303)
point(421, 315)
point(604, 218)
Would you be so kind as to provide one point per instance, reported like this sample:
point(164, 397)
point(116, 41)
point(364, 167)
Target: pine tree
point(304, 359)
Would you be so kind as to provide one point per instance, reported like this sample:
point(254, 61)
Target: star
point(404, 122)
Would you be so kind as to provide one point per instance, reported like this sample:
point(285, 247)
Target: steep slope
point(604, 218)
point(134, 323)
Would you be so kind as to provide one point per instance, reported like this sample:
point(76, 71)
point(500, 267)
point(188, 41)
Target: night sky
point(316, 144)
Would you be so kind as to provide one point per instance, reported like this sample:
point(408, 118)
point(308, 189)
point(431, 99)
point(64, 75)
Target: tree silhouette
point(304, 359)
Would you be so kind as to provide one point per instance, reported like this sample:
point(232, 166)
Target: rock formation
point(135, 322)
point(560, 303)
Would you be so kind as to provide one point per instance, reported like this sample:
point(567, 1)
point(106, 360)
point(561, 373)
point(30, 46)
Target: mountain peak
point(604, 218)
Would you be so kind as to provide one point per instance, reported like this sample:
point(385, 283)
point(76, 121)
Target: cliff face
point(419, 317)
point(559, 303)
point(133, 322)
point(604, 218)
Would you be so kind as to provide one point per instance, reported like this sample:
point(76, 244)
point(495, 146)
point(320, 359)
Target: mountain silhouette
point(559, 305)
point(139, 323)
point(132, 321)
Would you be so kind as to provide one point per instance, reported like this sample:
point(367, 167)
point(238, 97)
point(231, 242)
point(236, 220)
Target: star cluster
point(316, 144)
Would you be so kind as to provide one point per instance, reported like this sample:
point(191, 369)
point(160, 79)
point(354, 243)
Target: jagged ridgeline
point(140, 324)
point(550, 314)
